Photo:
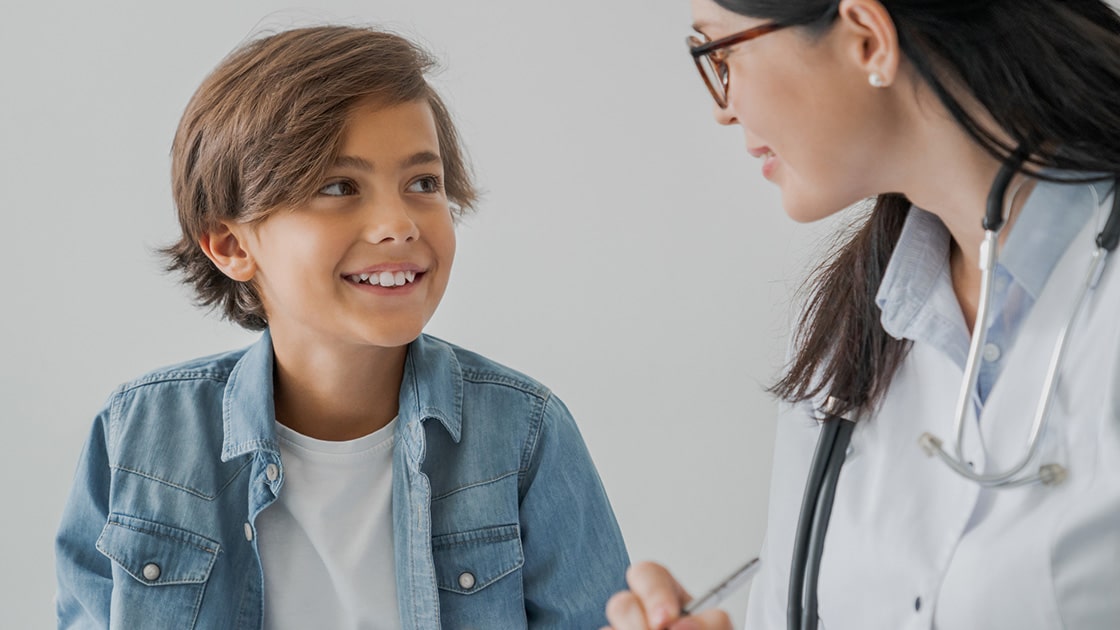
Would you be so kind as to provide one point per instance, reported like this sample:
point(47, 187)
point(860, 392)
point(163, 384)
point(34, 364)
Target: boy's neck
point(336, 394)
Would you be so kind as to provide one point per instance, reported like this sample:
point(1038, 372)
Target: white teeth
point(384, 278)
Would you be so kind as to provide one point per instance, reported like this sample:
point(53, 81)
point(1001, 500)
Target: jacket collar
point(248, 412)
point(432, 387)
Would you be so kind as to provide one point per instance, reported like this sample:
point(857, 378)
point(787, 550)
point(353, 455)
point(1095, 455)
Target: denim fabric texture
point(500, 519)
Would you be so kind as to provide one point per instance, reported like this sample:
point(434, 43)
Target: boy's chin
point(392, 338)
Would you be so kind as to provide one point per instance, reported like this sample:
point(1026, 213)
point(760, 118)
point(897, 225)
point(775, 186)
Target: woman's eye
point(338, 189)
point(429, 184)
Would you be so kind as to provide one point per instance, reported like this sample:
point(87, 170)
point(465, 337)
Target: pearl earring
point(876, 80)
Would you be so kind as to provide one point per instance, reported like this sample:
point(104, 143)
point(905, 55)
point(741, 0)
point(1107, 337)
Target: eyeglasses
point(710, 57)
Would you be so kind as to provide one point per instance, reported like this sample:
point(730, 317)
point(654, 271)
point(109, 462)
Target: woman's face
point(807, 111)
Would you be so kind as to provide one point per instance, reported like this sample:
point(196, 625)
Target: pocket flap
point(468, 562)
point(157, 554)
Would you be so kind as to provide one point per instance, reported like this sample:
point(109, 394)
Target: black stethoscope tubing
point(832, 449)
point(812, 523)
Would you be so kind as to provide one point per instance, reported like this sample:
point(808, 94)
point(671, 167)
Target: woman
point(932, 108)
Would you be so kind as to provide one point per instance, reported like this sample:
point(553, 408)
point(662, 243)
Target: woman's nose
point(723, 115)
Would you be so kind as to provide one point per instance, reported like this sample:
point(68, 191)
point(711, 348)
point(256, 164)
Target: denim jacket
point(490, 478)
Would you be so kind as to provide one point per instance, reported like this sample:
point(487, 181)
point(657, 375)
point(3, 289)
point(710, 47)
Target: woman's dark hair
point(1048, 74)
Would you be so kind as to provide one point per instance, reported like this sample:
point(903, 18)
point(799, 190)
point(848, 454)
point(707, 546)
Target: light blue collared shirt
point(916, 296)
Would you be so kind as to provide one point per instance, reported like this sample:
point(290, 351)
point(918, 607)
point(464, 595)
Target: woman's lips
point(768, 157)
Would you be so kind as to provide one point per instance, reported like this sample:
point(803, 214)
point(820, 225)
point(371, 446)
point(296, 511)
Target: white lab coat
point(913, 545)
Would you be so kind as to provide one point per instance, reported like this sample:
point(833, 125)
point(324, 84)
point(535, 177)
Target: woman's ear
point(224, 245)
point(872, 40)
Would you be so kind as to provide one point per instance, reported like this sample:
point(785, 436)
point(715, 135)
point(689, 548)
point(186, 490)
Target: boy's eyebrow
point(423, 157)
point(361, 164)
point(354, 162)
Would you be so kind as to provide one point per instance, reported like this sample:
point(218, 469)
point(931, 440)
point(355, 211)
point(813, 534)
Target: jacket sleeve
point(575, 558)
point(85, 580)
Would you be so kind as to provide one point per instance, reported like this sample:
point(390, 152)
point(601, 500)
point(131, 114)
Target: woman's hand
point(654, 602)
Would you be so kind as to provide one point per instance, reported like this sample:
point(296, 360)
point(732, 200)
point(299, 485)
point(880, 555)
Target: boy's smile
point(387, 279)
point(366, 261)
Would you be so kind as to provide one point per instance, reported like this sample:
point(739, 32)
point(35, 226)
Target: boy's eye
point(428, 184)
point(341, 188)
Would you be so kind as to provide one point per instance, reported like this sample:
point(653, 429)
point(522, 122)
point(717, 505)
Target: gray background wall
point(627, 252)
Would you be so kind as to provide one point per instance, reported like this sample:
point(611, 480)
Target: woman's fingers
point(653, 601)
point(624, 612)
point(660, 594)
point(709, 620)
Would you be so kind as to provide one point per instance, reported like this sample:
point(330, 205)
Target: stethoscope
point(836, 429)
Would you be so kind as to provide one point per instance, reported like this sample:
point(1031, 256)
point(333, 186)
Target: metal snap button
point(466, 580)
point(151, 572)
point(272, 471)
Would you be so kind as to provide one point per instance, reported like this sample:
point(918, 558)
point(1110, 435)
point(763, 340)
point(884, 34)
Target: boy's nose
point(391, 221)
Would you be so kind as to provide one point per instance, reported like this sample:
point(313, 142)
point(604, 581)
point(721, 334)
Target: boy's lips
point(392, 267)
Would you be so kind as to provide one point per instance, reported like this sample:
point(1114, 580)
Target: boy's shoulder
point(214, 367)
point(481, 370)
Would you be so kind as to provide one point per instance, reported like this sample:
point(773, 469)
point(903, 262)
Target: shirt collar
point(914, 273)
point(1050, 219)
point(248, 409)
point(432, 387)
point(916, 290)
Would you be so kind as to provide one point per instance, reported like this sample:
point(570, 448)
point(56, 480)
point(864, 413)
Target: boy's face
point(367, 260)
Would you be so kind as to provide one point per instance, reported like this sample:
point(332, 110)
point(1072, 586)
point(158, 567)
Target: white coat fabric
point(912, 545)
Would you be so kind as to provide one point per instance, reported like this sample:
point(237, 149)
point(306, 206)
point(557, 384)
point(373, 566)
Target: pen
point(741, 576)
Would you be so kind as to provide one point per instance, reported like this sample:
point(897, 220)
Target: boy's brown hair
point(262, 129)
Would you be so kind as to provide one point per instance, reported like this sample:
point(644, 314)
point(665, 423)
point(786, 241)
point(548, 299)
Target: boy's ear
point(223, 245)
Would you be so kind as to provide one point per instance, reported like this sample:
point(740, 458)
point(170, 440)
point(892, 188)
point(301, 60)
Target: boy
point(345, 471)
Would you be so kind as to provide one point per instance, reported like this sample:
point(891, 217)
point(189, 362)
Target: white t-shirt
point(326, 543)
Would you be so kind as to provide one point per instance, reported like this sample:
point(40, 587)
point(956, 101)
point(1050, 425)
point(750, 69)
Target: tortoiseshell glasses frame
point(710, 57)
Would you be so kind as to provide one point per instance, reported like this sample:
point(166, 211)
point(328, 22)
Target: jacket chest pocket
point(479, 578)
point(159, 572)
